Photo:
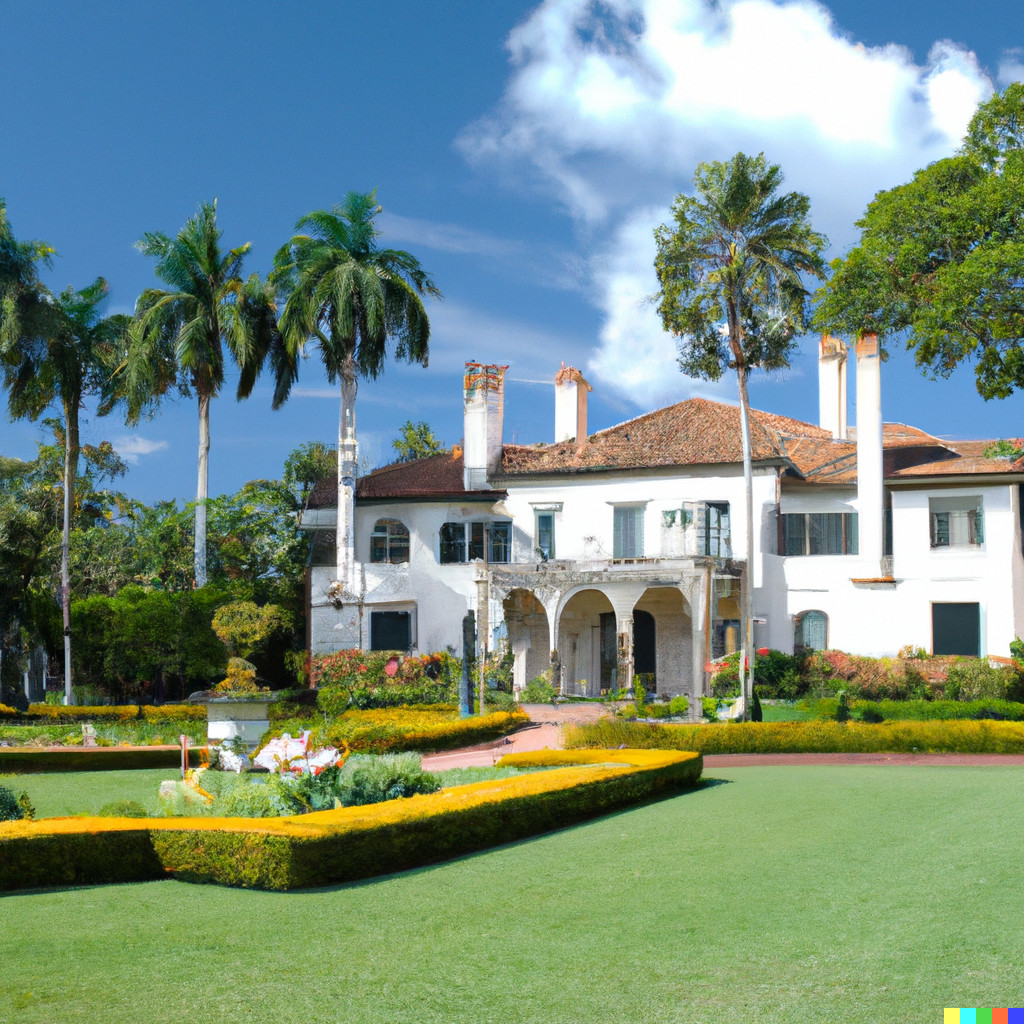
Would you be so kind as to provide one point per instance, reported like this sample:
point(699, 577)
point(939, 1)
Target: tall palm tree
point(351, 297)
point(66, 359)
point(731, 271)
point(178, 337)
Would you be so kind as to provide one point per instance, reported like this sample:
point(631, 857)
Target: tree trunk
point(747, 654)
point(70, 472)
point(202, 489)
point(348, 453)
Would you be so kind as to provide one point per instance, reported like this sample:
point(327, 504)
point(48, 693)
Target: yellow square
point(951, 1016)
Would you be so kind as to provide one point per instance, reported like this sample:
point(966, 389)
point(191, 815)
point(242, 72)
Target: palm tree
point(731, 273)
point(65, 360)
point(351, 297)
point(178, 337)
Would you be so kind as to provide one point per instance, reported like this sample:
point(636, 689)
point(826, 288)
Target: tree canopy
point(416, 441)
point(941, 259)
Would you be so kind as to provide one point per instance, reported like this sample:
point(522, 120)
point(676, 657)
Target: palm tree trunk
point(348, 453)
point(70, 472)
point(202, 489)
point(747, 655)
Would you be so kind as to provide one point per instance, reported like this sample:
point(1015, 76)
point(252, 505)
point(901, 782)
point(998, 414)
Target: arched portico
point(529, 635)
point(672, 641)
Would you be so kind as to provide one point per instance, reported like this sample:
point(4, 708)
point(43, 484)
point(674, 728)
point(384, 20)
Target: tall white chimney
point(832, 358)
point(570, 405)
point(870, 492)
point(483, 396)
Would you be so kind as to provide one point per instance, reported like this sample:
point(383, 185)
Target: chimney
point(870, 492)
point(483, 395)
point(832, 386)
point(571, 405)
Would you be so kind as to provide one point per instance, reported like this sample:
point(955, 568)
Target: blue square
point(1015, 1015)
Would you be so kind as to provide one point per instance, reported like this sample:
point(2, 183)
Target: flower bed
point(104, 712)
point(329, 847)
point(962, 737)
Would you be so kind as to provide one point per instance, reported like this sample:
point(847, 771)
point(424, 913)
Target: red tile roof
point(694, 432)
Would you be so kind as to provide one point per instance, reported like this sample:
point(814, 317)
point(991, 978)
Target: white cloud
point(131, 447)
point(611, 106)
point(1011, 68)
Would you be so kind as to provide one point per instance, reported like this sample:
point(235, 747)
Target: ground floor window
point(390, 631)
point(811, 631)
point(956, 628)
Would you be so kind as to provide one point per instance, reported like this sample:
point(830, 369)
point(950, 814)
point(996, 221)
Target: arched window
point(811, 631)
point(389, 542)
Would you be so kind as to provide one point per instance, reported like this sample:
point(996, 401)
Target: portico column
point(625, 652)
point(698, 643)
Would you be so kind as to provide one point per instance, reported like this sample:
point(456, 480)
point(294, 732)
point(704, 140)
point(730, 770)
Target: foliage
point(416, 441)
point(372, 780)
point(122, 809)
point(241, 679)
point(244, 627)
point(12, 808)
point(922, 710)
point(305, 466)
point(778, 675)
point(538, 691)
point(361, 679)
point(149, 643)
point(940, 258)
point(179, 334)
point(966, 737)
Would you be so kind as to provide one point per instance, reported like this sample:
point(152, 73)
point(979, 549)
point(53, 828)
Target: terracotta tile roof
point(435, 477)
point(694, 432)
point(690, 433)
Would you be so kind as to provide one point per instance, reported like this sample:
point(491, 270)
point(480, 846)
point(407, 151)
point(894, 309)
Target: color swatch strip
point(983, 1015)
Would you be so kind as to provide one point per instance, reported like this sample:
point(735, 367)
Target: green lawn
point(783, 713)
point(782, 894)
point(61, 793)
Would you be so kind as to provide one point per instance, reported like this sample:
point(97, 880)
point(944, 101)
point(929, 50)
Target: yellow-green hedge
point(341, 845)
point(106, 712)
point(957, 737)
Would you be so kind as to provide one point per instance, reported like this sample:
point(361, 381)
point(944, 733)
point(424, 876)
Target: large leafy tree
point(941, 259)
point(180, 334)
point(732, 266)
point(351, 298)
point(416, 441)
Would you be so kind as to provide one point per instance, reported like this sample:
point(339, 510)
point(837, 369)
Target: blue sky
point(523, 152)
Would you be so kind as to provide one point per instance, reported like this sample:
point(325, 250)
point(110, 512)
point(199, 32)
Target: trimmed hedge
point(387, 731)
point(343, 845)
point(105, 712)
point(15, 760)
point(957, 737)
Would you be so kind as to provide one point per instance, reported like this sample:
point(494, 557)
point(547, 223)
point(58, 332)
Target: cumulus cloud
point(132, 447)
point(612, 104)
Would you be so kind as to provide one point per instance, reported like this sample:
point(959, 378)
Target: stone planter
point(228, 717)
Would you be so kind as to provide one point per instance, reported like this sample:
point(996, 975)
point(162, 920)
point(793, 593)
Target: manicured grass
point(784, 713)
point(62, 793)
point(824, 894)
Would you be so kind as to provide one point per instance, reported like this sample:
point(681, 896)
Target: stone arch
point(669, 614)
point(586, 642)
point(529, 636)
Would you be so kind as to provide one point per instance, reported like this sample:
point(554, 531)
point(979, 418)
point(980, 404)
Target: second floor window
point(956, 522)
point(465, 542)
point(819, 533)
point(389, 542)
point(628, 541)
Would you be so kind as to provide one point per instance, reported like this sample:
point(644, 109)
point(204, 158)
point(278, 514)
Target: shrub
point(261, 796)
point(122, 809)
point(678, 706)
point(11, 808)
point(372, 780)
point(538, 691)
point(971, 679)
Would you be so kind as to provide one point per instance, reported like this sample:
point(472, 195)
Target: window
point(818, 533)
point(466, 542)
point(811, 631)
point(713, 529)
point(956, 522)
point(544, 535)
point(390, 631)
point(389, 542)
point(629, 532)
